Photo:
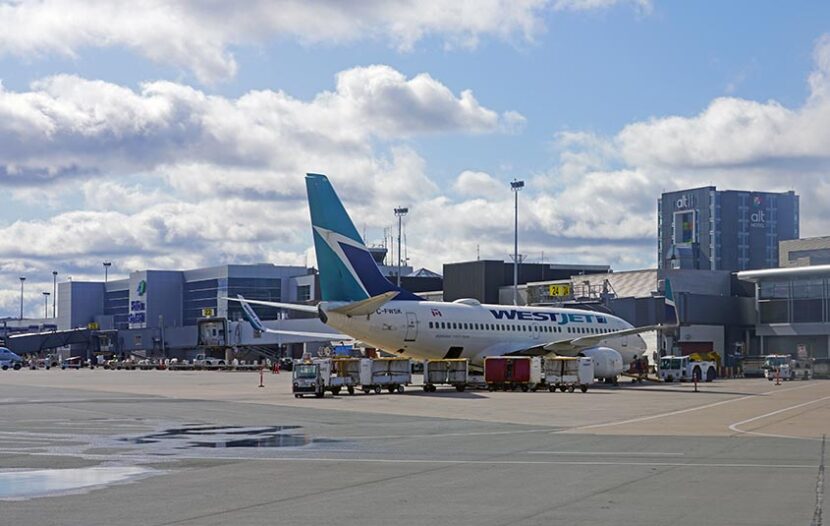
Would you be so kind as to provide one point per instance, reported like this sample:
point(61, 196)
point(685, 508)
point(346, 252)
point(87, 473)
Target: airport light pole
point(46, 304)
point(400, 212)
point(107, 265)
point(22, 279)
point(515, 187)
point(54, 293)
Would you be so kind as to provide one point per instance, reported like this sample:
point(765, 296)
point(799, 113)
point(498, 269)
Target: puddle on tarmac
point(45, 482)
point(227, 437)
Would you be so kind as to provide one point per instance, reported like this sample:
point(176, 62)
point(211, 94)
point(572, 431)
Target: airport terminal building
point(708, 229)
point(176, 298)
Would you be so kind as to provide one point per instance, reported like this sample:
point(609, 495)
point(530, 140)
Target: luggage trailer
point(566, 373)
point(509, 373)
point(450, 371)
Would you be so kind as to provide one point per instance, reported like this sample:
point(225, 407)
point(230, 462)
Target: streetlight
point(515, 187)
point(22, 279)
point(400, 212)
point(107, 265)
point(46, 304)
point(54, 292)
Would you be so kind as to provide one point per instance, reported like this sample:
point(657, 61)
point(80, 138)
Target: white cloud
point(734, 143)
point(196, 36)
point(739, 133)
point(479, 184)
point(69, 126)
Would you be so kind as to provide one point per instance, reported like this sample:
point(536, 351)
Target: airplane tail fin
point(347, 270)
point(250, 315)
point(671, 317)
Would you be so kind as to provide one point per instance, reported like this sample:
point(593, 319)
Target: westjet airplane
point(360, 302)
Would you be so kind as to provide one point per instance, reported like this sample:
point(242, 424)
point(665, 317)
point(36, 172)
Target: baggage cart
point(567, 373)
point(345, 373)
point(390, 373)
point(512, 372)
point(451, 371)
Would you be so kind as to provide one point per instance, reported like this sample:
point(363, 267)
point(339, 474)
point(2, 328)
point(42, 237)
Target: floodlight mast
point(516, 186)
point(399, 213)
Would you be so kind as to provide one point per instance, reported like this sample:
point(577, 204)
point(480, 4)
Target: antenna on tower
point(478, 252)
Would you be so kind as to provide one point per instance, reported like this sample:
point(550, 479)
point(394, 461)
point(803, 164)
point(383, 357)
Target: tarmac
point(204, 447)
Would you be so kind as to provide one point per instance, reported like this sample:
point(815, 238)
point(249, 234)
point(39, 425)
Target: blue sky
point(177, 136)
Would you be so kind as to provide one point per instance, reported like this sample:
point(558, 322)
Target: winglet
point(672, 319)
point(250, 315)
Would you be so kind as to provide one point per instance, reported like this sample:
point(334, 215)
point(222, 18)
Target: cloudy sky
point(176, 134)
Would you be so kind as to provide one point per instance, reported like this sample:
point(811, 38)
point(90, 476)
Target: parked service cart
point(512, 372)
point(392, 373)
point(345, 373)
point(453, 371)
point(310, 377)
point(566, 373)
point(784, 367)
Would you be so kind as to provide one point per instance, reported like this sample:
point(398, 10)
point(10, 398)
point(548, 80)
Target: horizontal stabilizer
point(321, 335)
point(367, 306)
point(288, 306)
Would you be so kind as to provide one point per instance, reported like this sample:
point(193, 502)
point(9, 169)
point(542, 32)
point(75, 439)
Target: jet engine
point(608, 363)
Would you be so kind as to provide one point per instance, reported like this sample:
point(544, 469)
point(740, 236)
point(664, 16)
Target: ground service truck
point(683, 369)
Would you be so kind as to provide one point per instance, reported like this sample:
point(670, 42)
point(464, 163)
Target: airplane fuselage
point(468, 329)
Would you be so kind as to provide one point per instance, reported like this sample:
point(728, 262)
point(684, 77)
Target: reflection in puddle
point(227, 437)
point(42, 482)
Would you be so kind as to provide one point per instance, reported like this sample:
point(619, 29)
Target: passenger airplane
point(360, 302)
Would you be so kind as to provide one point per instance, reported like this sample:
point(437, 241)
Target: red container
point(504, 369)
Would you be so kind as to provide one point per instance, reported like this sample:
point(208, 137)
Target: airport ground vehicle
point(512, 372)
point(753, 366)
point(683, 369)
point(802, 369)
point(73, 362)
point(345, 373)
point(392, 373)
point(566, 373)
point(207, 361)
point(449, 371)
point(309, 377)
point(777, 366)
point(784, 367)
point(334, 374)
point(9, 360)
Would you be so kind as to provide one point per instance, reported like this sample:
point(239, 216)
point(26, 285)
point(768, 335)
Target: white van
point(9, 360)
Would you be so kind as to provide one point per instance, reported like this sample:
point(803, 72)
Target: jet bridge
point(37, 342)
